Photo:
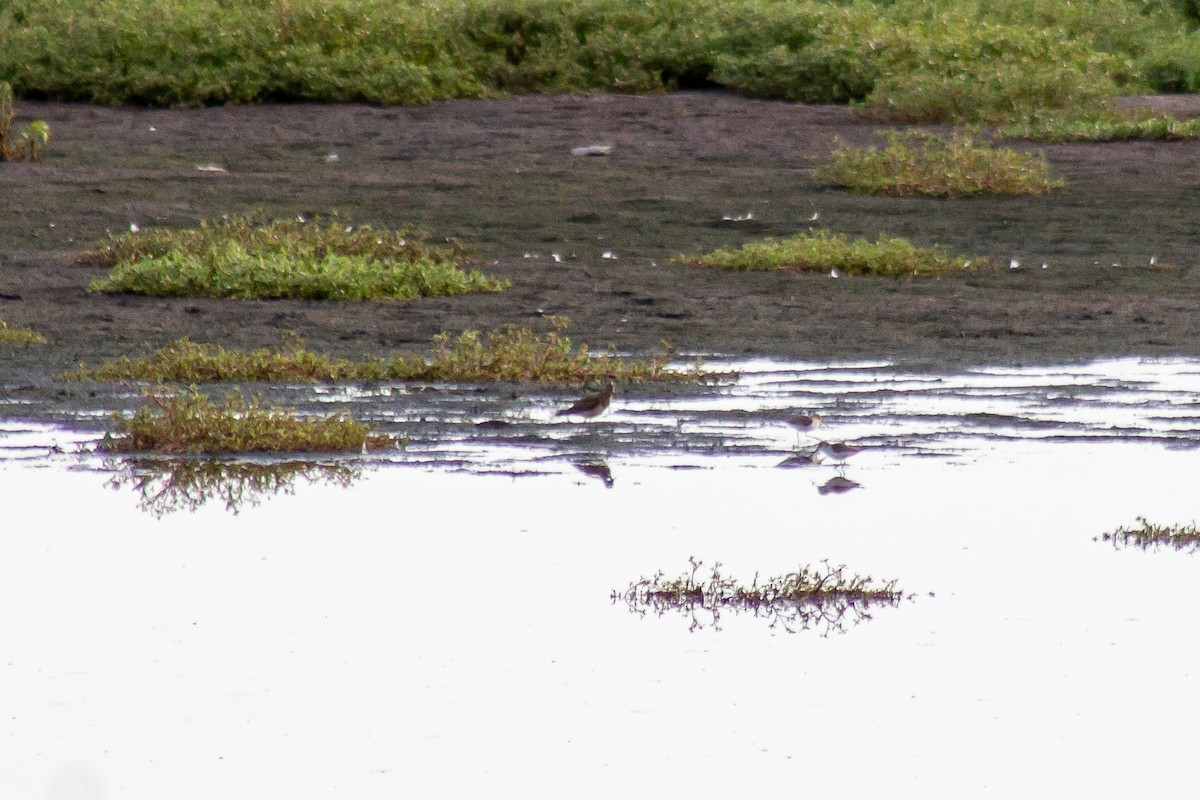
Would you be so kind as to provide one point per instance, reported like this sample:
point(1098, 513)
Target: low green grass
point(250, 257)
point(1104, 126)
point(184, 421)
point(504, 354)
point(1146, 535)
point(19, 334)
point(823, 251)
point(169, 485)
point(823, 597)
point(920, 163)
point(908, 60)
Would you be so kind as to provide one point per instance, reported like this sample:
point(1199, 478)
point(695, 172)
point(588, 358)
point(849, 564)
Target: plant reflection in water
point(168, 485)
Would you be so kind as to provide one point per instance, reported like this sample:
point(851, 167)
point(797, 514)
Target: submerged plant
point(825, 598)
point(19, 334)
point(823, 251)
point(250, 257)
point(185, 484)
point(511, 354)
point(184, 421)
point(921, 163)
point(1147, 535)
point(29, 142)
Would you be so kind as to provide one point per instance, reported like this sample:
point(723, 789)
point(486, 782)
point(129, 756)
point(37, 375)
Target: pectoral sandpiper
point(839, 451)
point(592, 405)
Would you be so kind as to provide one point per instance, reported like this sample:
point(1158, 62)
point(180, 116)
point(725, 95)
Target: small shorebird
point(592, 405)
point(802, 458)
point(803, 423)
point(838, 451)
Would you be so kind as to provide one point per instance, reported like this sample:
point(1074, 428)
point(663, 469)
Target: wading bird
point(592, 405)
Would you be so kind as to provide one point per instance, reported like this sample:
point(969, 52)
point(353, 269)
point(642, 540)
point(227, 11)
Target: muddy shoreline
point(499, 176)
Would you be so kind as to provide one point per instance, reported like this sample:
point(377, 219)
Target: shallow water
point(442, 626)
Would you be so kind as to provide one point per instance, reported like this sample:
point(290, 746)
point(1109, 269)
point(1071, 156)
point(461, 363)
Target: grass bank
point(915, 60)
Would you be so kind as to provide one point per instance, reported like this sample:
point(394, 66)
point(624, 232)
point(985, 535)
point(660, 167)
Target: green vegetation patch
point(519, 354)
point(908, 60)
point(824, 597)
point(184, 421)
point(1105, 126)
point(504, 354)
point(1147, 535)
point(18, 334)
point(822, 251)
point(247, 258)
point(920, 163)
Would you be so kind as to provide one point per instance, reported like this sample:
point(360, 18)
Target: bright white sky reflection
point(436, 634)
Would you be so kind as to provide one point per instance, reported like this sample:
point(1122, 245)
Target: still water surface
point(447, 631)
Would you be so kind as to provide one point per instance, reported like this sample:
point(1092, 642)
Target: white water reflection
point(444, 634)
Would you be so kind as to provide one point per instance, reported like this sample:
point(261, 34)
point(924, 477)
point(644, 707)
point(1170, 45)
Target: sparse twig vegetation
point(822, 251)
point(19, 334)
point(1147, 535)
point(29, 142)
point(251, 257)
point(920, 163)
point(185, 422)
point(511, 354)
point(185, 484)
point(825, 598)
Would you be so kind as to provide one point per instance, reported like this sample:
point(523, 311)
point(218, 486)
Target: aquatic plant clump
point(920, 163)
point(827, 598)
point(1147, 535)
point(185, 422)
point(251, 258)
point(19, 334)
point(504, 354)
point(823, 251)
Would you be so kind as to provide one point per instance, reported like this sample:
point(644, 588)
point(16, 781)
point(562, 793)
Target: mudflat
point(591, 236)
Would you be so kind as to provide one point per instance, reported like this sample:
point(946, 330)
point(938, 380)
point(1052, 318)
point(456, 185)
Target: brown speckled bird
point(593, 405)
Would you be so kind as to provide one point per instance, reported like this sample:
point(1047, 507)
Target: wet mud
point(500, 176)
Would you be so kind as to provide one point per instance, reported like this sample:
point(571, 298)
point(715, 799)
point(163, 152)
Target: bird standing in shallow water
point(803, 423)
point(838, 451)
point(592, 405)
